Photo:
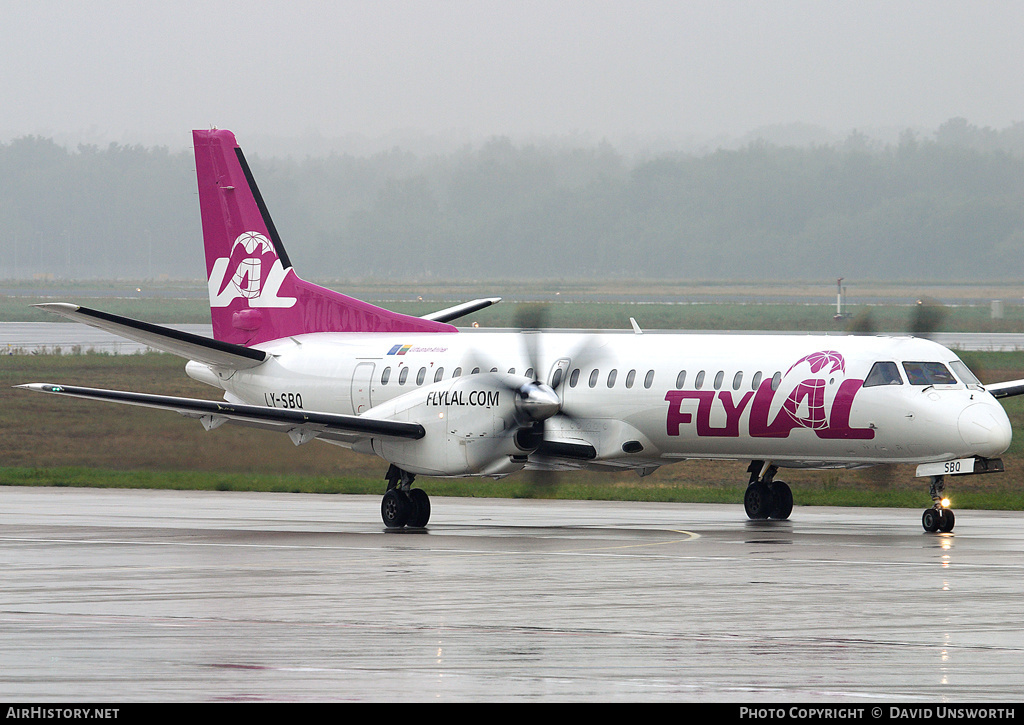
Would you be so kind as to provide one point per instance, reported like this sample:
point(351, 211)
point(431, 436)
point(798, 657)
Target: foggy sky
point(466, 69)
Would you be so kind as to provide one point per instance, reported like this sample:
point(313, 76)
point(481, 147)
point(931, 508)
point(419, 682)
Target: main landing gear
point(404, 505)
point(767, 498)
point(938, 517)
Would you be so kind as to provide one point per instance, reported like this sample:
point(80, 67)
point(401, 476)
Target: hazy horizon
point(370, 75)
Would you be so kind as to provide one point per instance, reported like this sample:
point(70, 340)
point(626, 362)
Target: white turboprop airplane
point(435, 401)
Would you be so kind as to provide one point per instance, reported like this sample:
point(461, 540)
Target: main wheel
point(757, 501)
point(420, 502)
point(395, 509)
point(782, 498)
point(946, 520)
point(930, 520)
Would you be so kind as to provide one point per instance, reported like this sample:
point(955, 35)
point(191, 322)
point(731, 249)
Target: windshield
point(883, 373)
point(964, 373)
point(928, 373)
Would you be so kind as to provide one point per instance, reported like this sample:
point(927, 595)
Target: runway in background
point(41, 337)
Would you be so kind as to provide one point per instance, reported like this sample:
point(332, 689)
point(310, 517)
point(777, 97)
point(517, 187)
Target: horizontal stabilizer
point(176, 342)
point(466, 308)
point(307, 424)
point(1006, 390)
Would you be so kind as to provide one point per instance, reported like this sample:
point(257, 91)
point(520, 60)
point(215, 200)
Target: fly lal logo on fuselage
point(252, 272)
point(809, 401)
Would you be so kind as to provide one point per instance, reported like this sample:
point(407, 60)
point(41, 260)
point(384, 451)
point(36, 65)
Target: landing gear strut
point(938, 517)
point(765, 497)
point(402, 504)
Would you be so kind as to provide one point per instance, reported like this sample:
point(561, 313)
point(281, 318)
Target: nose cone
point(538, 401)
point(985, 428)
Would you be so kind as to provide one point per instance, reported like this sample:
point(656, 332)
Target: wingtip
point(58, 307)
point(40, 387)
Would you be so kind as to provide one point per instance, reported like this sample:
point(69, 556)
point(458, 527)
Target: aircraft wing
point(301, 425)
point(1007, 389)
point(183, 344)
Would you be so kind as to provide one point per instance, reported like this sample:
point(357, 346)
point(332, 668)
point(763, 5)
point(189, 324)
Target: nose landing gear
point(938, 517)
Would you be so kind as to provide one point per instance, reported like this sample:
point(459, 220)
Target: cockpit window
point(964, 373)
point(928, 373)
point(883, 373)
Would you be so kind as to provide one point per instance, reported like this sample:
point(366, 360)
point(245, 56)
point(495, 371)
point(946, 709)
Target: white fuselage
point(644, 400)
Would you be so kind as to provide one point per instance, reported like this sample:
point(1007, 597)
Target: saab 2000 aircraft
point(430, 400)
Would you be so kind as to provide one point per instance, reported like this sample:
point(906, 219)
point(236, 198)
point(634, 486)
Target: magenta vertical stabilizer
point(255, 295)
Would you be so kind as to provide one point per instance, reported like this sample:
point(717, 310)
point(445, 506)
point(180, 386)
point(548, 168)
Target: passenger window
point(511, 371)
point(928, 373)
point(611, 377)
point(718, 379)
point(457, 373)
point(680, 379)
point(528, 373)
point(574, 377)
point(438, 375)
point(403, 376)
point(883, 373)
point(630, 377)
point(756, 382)
point(494, 370)
point(593, 377)
point(737, 381)
point(475, 371)
point(420, 376)
point(556, 378)
point(385, 376)
point(649, 379)
point(776, 380)
point(698, 382)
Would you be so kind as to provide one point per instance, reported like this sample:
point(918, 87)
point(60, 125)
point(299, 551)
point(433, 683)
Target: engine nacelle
point(470, 423)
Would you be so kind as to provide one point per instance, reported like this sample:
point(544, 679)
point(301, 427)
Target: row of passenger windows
point(594, 378)
point(699, 380)
point(882, 373)
point(403, 375)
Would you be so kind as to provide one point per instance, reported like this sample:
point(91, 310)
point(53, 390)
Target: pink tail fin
point(255, 295)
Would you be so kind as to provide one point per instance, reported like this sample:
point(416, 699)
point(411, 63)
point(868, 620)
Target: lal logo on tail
point(253, 272)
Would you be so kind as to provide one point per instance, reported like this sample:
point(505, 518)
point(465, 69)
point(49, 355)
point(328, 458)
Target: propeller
point(927, 317)
point(537, 401)
point(863, 323)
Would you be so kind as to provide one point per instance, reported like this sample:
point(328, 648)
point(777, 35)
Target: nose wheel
point(938, 518)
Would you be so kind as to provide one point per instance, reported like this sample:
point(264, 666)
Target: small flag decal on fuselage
point(399, 349)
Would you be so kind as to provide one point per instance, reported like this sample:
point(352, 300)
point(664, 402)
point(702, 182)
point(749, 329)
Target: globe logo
point(805, 405)
point(247, 278)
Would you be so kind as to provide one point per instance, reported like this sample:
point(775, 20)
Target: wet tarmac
point(223, 596)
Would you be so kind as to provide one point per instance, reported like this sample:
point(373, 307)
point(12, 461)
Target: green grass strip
point(514, 487)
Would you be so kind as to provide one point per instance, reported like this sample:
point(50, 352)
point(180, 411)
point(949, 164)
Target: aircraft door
point(558, 372)
point(361, 379)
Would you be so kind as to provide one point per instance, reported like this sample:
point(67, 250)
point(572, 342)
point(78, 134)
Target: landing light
point(945, 503)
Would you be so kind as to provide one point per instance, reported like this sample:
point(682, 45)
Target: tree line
point(942, 206)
